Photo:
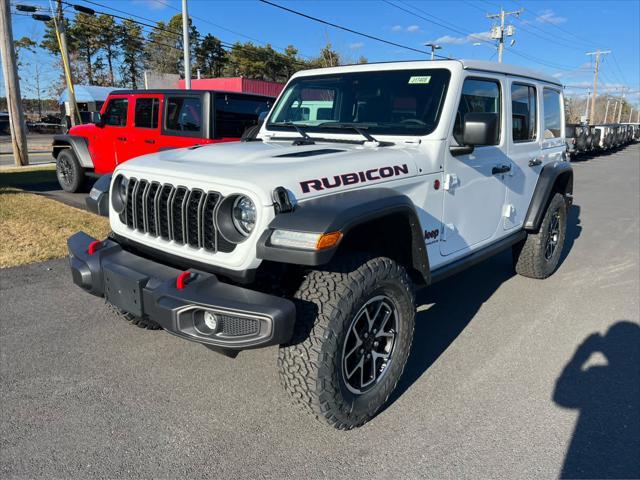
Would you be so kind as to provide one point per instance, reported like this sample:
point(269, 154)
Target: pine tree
point(131, 45)
point(210, 57)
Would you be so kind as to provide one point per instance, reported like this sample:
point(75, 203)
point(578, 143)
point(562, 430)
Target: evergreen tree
point(108, 36)
point(131, 45)
point(210, 57)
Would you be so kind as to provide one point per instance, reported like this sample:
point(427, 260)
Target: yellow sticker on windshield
point(421, 80)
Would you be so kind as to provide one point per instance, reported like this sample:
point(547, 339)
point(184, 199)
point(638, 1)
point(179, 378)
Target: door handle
point(150, 140)
point(534, 162)
point(122, 139)
point(500, 169)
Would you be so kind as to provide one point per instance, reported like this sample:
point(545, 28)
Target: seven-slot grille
point(174, 213)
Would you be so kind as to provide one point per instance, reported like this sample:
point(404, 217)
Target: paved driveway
point(496, 385)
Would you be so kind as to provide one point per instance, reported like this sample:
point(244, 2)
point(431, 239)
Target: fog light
point(211, 321)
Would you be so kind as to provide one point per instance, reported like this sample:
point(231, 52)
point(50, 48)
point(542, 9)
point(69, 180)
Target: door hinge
point(450, 181)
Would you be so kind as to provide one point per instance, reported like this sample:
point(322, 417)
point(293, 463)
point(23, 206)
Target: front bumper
point(245, 318)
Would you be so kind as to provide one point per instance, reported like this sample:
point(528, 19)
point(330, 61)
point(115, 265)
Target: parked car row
point(584, 139)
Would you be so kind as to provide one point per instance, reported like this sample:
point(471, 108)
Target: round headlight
point(119, 193)
point(244, 215)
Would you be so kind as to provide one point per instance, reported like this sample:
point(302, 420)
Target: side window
point(235, 113)
point(523, 112)
point(146, 113)
point(116, 112)
point(481, 96)
point(552, 121)
point(184, 114)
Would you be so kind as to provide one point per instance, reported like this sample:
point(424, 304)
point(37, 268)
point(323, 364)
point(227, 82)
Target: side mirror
point(96, 118)
point(478, 129)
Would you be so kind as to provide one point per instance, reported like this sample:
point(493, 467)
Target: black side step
point(476, 257)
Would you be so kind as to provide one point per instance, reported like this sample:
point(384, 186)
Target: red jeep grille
point(174, 213)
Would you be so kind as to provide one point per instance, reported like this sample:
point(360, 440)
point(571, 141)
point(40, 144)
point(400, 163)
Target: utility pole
point(586, 108)
point(12, 87)
point(615, 108)
point(621, 105)
point(597, 54)
point(630, 112)
point(606, 111)
point(498, 32)
point(58, 21)
point(185, 46)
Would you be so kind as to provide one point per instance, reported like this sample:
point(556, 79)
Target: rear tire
point(324, 367)
point(69, 172)
point(539, 255)
point(141, 322)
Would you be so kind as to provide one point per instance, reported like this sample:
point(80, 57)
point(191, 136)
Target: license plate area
point(123, 288)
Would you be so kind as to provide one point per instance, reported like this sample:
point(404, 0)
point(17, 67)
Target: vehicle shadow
point(574, 229)
point(606, 439)
point(447, 316)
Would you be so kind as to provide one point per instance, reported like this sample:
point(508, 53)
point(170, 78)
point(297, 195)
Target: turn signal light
point(328, 240)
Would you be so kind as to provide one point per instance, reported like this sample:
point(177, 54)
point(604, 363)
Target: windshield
point(392, 102)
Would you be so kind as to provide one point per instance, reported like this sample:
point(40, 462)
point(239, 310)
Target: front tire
point(539, 255)
point(351, 342)
point(69, 172)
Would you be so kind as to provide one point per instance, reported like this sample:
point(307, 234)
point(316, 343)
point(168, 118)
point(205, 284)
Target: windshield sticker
point(420, 80)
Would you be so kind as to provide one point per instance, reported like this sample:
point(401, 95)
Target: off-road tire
point(310, 364)
point(141, 322)
point(529, 256)
point(70, 174)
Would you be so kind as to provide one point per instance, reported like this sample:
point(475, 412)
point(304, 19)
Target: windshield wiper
point(306, 139)
point(362, 130)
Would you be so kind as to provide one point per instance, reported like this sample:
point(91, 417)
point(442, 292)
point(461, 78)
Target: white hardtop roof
point(479, 65)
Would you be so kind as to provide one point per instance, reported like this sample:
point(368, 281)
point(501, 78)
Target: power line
point(340, 27)
point(204, 20)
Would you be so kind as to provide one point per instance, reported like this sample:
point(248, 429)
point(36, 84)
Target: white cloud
point(451, 40)
point(548, 16)
point(396, 28)
point(152, 4)
point(413, 28)
point(356, 46)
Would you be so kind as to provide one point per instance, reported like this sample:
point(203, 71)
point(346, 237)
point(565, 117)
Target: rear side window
point(235, 113)
point(478, 96)
point(523, 112)
point(146, 112)
point(116, 112)
point(184, 114)
point(552, 121)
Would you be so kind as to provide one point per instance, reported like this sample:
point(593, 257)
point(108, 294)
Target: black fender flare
point(554, 177)
point(98, 200)
point(343, 212)
point(78, 144)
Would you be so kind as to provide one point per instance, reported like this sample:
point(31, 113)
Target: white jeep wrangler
point(364, 182)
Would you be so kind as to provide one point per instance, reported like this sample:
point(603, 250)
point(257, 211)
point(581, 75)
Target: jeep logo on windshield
point(323, 183)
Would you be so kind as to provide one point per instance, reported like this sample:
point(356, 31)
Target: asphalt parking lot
point(508, 378)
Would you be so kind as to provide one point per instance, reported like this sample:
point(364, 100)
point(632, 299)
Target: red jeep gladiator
point(136, 122)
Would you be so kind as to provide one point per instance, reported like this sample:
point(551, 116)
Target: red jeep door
point(111, 136)
point(144, 134)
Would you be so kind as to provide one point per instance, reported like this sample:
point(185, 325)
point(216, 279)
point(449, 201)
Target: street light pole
point(185, 45)
point(433, 47)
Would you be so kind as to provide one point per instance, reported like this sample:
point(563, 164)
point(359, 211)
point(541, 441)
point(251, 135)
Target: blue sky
point(551, 36)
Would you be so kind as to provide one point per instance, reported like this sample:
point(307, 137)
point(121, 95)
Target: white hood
point(259, 167)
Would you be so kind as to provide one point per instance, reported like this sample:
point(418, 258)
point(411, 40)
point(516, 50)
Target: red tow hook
point(183, 279)
point(93, 246)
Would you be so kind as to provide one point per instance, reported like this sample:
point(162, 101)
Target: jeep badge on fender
point(314, 236)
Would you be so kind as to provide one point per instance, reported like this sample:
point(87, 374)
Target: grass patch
point(34, 228)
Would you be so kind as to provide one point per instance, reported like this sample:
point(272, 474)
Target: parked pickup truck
point(136, 122)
